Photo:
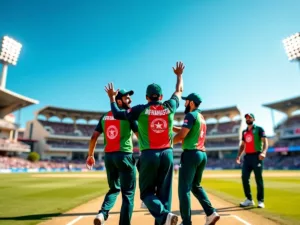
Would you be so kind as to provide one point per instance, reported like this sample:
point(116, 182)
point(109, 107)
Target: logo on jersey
point(158, 125)
point(185, 122)
point(112, 132)
point(248, 138)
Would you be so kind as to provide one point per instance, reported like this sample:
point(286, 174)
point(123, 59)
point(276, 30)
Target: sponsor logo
point(112, 132)
point(158, 125)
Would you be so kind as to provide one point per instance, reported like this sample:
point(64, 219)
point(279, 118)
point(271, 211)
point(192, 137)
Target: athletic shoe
point(247, 203)
point(99, 220)
point(212, 219)
point(260, 204)
point(172, 219)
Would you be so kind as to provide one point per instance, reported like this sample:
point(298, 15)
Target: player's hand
point(179, 68)
point(262, 156)
point(90, 162)
point(110, 90)
point(238, 160)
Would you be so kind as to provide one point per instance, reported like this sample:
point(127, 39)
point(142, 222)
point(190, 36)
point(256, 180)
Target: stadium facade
point(59, 140)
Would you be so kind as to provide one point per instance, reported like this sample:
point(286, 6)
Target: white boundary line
point(240, 219)
point(75, 220)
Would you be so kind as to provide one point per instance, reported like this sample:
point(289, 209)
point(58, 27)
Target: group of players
point(153, 125)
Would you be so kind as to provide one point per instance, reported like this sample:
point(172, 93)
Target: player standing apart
point(255, 144)
point(155, 123)
point(118, 159)
point(193, 160)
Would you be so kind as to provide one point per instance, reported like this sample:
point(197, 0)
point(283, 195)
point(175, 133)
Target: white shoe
point(212, 219)
point(260, 205)
point(143, 206)
point(99, 220)
point(247, 203)
point(172, 219)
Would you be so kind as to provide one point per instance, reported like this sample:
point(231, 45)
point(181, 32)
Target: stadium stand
point(221, 137)
point(286, 147)
point(62, 143)
point(9, 103)
point(63, 140)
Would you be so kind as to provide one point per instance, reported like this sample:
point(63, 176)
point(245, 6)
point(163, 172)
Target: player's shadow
point(53, 215)
point(219, 210)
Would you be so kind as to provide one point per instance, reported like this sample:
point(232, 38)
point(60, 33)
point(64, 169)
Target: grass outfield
point(282, 192)
point(26, 199)
point(31, 198)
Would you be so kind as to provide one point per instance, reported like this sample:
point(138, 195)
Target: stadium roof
point(286, 106)
point(217, 113)
point(10, 102)
point(50, 111)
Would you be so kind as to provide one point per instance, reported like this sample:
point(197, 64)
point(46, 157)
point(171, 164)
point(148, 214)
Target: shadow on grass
point(53, 215)
point(219, 210)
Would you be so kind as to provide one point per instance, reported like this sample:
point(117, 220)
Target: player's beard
point(187, 109)
point(126, 105)
point(249, 122)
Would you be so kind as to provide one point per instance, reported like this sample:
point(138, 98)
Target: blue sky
point(232, 50)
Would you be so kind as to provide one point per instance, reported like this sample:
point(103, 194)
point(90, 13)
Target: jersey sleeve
point(99, 125)
point(134, 125)
point(129, 114)
point(262, 132)
point(173, 103)
point(188, 121)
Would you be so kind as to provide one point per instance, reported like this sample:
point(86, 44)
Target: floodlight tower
point(9, 54)
point(292, 47)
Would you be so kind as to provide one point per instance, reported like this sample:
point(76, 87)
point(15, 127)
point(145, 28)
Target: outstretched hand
point(110, 90)
point(179, 68)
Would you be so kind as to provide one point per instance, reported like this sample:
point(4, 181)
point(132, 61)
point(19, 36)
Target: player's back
point(155, 125)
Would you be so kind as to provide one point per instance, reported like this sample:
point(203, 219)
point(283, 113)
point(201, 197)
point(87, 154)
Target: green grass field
point(25, 199)
point(282, 193)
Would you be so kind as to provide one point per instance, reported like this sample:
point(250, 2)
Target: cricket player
point(155, 123)
point(118, 159)
point(255, 145)
point(193, 160)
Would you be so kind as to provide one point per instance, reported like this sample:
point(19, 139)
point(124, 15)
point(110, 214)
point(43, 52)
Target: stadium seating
point(11, 144)
point(70, 144)
point(68, 128)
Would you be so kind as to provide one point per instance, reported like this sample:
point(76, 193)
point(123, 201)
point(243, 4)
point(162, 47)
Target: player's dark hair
point(154, 99)
point(196, 105)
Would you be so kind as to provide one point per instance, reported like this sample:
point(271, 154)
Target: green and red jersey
point(195, 139)
point(252, 139)
point(117, 133)
point(155, 122)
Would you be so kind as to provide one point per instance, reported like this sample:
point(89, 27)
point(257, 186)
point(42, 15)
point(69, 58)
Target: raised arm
point(179, 83)
point(118, 114)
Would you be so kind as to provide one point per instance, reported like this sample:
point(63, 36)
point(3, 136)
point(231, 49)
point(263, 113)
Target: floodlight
point(292, 47)
point(9, 54)
point(10, 51)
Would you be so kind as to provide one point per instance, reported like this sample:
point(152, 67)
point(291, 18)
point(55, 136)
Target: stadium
point(61, 137)
point(73, 50)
